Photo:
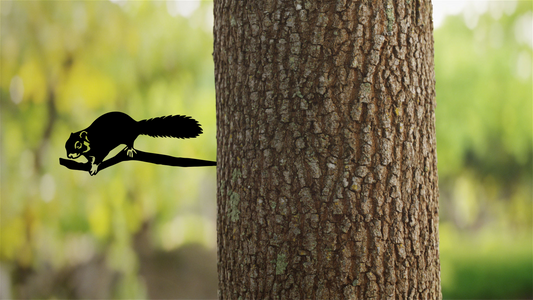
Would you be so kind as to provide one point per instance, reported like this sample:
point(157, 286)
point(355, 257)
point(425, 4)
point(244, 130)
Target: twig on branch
point(148, 157)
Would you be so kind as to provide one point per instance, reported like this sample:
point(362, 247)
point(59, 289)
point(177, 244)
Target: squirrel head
point(77, 144)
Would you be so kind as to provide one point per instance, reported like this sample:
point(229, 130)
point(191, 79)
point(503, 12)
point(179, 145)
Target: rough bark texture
point(327, 169)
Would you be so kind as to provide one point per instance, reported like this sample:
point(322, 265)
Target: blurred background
point(138, 231)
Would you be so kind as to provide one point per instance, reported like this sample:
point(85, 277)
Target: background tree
point(327, 169)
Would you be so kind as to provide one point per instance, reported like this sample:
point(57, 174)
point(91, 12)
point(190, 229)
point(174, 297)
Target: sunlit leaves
point(100, 219)
point(87, 87)
point(33, 79)
point(11, 231)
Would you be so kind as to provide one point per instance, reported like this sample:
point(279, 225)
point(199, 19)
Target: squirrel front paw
point(94, 169)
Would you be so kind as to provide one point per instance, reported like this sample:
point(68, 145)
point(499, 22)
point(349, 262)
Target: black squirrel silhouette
point(116, 128)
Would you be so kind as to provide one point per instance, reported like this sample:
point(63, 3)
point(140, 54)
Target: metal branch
point(148, 157)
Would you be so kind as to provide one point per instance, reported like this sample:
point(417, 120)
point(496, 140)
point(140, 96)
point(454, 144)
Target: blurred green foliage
point(483, 63)
point(484, 96)
point(65, 63)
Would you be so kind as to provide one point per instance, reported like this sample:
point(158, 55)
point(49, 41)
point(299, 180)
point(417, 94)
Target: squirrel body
point(116, 128)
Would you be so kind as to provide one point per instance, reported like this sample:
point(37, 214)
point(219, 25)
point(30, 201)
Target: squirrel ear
point(83, 135)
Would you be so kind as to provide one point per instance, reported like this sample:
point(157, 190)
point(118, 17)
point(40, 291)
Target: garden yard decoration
point(116, 128)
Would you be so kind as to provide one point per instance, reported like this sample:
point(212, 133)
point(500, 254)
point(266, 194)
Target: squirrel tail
point(177, 126)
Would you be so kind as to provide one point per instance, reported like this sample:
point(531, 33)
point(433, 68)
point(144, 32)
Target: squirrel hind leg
point(130, 151)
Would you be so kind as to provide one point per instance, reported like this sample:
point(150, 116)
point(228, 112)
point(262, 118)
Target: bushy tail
point(181, 127)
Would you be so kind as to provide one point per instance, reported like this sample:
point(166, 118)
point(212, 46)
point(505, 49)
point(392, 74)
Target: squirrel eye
point(77, 145)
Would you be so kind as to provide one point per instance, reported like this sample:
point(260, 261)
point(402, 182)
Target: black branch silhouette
point(148, 157)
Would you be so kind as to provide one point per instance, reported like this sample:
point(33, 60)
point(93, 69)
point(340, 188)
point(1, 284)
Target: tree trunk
point(327, 164)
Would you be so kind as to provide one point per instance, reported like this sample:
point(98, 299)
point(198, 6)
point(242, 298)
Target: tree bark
point(327, 164)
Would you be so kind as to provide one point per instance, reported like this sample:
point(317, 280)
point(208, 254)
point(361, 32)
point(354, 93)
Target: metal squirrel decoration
point(116, 128)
